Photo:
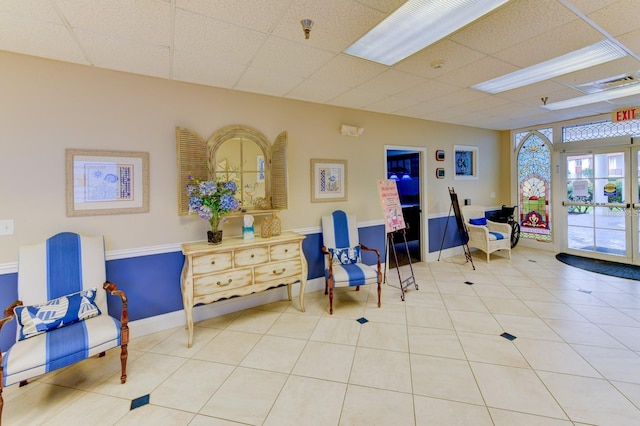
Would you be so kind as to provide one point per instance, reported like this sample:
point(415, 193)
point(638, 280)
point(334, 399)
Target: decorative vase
point(276, 225)
point(266, 227)
point(214, 237)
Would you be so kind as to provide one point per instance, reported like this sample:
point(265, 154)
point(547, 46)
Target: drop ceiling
point(258, 46)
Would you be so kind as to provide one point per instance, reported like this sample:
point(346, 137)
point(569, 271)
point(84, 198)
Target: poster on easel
point(391, 207)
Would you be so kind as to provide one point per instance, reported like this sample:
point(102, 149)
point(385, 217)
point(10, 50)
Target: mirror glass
point(243, 161)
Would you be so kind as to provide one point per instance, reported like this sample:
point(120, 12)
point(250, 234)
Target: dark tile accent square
point(468, 283)
point(139, 402)
point(362, 320)
point(533, 261)
point(585, 291)
point(508, 336)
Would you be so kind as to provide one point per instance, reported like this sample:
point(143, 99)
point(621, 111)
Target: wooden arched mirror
point(237, 153)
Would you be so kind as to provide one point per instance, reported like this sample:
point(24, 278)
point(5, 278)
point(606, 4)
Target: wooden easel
point(462, 228)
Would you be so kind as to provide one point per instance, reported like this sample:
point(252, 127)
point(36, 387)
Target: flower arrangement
point(212, 200)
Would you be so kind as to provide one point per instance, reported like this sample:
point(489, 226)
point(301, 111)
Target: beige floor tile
point(294, 326)
point(221, 322)
point(91, 408)
point(381, 369)
point(630, 390)
point(228, 347)
point(583, 333)
point(492, 290)
point(592, 401)
point(628, 336)
point(274, 353)
point(444, 378)
point(254, 321)
point(491, 349)
point(326, 361)
point(475, 322)
point(191, 386)
point(376, 335)
point(534, 294)
point(176, 344)
point(507, 307)
point(337, 330)
point(154, 415)
point(423, 317)
point(511, 418)
point(526, 327)
point(606, 315)
point(294, 406)
point(515, 389)
point(145, 343)
point(614, 364)
point(435, 341)
point(246, 396)
point(459, 302)
point(143, 375)
point(431, 411)
point(556, 357)
point(50, 400)
point(201, 420)
point(552, 310)
point(367, 406)
point(393, 313)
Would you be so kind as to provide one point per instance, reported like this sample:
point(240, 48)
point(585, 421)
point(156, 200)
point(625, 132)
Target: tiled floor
point(436, 359)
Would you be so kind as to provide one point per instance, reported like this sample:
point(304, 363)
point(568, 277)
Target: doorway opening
point(404, 165)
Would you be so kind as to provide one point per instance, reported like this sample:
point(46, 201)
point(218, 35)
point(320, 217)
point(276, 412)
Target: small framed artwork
point(106, 182)
point(440, 155)
point(440, 173)
point(465, 162)
point(328, 180)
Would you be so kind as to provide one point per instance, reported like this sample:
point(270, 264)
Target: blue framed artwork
point(465, 162)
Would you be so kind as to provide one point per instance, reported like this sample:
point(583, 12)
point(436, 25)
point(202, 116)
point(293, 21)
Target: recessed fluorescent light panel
point(416, 25)
point(594, 97)
point(596, 54)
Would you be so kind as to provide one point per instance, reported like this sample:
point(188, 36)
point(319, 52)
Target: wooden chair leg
point(124, 353)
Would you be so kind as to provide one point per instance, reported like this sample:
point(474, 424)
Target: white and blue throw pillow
point(481, 221)
point(346, 256)
point(65, 310)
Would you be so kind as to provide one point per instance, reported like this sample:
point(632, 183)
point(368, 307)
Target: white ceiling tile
point(126, 55)
point(313, 90)
point(391, 104)
point(348, 70)
point(618, 18)
point(337, 23)
point(559, 41)
point(268, 82)
point(391, 82)
point(294, 58)
point(39, 38)
point(146, 21)
point(477, 72)
point(206, 69)
point(588, 6)
point(611, 69)
point(452, 54)
point(385, 6)
point(631, 41)
point(513, 23)
point(532, 93)
point(357, 98)
point(201, 35)
point(428, 89)
point(258, 15)
point(40, 10)
point(459, 97)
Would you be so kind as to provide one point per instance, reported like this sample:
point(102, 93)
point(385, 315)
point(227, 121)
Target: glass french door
point(601, 204)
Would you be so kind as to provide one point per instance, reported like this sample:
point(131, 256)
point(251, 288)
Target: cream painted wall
point(48, 106)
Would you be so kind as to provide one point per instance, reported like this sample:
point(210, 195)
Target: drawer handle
point(286, 250)
point(253, 255)
point(221, 284)
point(213, 262)
point(275, 272)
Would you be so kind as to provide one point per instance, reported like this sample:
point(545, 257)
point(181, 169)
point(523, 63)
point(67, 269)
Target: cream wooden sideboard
point(238, 267)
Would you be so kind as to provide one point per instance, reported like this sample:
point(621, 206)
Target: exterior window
point(534, 185)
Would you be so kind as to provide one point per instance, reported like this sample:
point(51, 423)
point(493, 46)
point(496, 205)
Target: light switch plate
point(6, 227)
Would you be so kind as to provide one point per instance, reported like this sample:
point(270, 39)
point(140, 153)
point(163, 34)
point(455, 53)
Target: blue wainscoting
point(152, 283)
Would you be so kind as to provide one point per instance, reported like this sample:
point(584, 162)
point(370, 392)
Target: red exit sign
point(625, 114)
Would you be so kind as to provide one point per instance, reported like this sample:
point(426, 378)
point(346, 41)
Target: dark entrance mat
point(604, 267)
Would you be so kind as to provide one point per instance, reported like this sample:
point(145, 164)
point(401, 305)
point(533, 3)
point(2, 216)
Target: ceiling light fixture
point(596, 54)
point(594, 97)
point(416, 25)
point(307, 24)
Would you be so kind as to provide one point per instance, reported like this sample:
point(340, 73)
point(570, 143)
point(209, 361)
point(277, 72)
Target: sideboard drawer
point(251, 256)
point(208, 284)
point(277, 270)
point(285, 251)
point(211, 263)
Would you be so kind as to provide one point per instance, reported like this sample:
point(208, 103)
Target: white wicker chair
point(493, 236)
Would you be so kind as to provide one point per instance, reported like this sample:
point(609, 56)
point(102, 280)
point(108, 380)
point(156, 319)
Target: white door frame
point(424, 225)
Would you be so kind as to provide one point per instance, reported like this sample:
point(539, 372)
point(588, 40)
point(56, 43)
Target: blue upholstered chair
point(61, 315)
point(342, 250)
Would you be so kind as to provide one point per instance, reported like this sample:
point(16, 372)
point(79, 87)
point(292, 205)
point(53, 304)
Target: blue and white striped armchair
point(343, 261)
point(61, 315)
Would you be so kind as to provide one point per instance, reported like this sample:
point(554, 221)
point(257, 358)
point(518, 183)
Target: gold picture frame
point(106, 182)
point(328, 180)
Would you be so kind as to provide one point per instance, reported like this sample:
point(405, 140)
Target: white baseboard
point(175, 319)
